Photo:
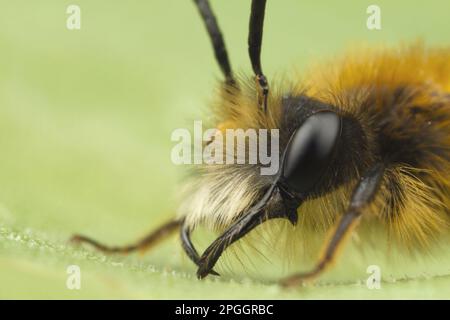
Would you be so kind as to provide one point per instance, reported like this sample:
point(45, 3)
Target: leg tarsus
point(363, 195)
point(345, 225)
point(189, 249)
point(154, 237)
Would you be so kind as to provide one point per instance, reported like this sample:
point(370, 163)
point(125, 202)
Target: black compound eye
point(310, 151)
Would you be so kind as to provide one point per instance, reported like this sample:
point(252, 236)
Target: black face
point(310, 151)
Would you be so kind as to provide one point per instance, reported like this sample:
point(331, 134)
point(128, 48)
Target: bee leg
point(254, 49)
point(362, 196)
point(188, 247)
point(345, 225)
point(145, 244)
point(217, 41)
point(254, 217)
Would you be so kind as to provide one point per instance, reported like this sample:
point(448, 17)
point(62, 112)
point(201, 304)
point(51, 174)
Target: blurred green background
point(85, 123)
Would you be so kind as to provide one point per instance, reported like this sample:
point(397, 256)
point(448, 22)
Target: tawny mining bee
point(364, 136)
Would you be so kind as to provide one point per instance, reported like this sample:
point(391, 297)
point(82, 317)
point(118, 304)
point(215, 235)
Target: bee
point(364, 138)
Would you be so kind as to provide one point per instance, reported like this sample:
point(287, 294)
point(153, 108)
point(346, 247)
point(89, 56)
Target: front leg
point(254, 217)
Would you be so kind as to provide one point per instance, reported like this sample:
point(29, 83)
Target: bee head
point(321, 150)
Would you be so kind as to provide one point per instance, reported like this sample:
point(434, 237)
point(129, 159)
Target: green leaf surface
point(85, 124)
